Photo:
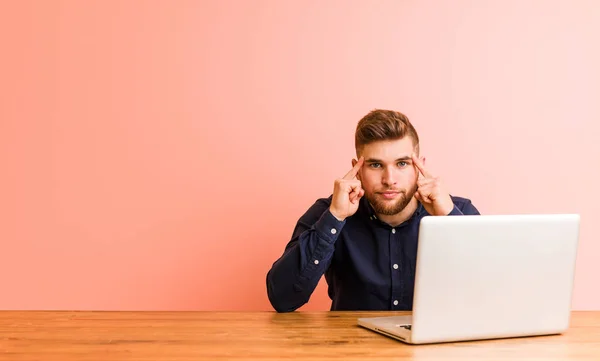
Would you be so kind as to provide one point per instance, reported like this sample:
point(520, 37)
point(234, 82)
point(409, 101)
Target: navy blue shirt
point(368, 265)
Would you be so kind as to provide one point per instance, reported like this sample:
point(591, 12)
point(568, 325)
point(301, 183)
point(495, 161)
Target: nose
point(388, 178)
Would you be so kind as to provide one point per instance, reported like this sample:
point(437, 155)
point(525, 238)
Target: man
point(364, 236)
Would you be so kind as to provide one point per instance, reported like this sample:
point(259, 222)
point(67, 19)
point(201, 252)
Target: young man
point(364, 236)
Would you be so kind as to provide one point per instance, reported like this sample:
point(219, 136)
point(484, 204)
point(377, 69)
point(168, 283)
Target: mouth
point(389, 194)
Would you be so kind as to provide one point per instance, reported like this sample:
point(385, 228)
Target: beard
point(390, 208)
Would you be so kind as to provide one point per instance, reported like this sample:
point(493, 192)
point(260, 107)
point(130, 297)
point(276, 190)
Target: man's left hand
point(431, 192)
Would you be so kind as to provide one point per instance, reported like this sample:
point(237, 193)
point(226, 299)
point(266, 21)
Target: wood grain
point(68, 336)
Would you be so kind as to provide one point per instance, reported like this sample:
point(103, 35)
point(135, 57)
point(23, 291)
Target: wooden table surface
point(66, 336)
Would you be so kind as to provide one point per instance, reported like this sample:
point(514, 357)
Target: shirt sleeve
point(463, 207)
point(294, 276)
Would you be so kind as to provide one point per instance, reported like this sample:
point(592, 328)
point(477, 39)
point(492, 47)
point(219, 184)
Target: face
point(388, 176)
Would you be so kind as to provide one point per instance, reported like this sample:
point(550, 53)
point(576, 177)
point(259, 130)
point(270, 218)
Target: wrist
point(448, 209)
point(336, 215)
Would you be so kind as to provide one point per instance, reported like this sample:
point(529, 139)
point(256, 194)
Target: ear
point(424, 160)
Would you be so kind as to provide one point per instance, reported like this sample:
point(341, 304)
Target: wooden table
point(67, 336)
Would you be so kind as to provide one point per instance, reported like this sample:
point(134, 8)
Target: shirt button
point(395, 266)
point(395, 302)
point(393, 230)
point(316, 261)
point(333, 231)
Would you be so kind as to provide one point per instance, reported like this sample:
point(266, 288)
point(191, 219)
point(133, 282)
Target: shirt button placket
point(396, 267)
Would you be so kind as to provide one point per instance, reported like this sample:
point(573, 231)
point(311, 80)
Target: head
point(386, 139)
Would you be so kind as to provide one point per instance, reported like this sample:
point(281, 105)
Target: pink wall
point(142, 143)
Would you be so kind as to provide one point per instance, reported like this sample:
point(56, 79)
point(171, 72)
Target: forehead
point(388, 149)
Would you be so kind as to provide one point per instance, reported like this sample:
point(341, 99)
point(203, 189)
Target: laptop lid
point(491, 276)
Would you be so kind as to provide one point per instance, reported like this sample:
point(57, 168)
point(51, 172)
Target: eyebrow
point(373, 160)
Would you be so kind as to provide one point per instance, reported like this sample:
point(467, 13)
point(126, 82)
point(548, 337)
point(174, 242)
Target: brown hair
point(382, 124)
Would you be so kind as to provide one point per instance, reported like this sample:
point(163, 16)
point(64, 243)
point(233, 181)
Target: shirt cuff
point(455, 212)
point(329, 227)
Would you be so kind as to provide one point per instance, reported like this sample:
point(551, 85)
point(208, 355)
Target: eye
point(375, 165)
point(402, 164)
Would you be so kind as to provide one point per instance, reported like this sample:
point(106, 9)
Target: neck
point(403, 216)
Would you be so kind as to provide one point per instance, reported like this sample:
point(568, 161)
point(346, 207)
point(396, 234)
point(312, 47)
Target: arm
point(295, 275)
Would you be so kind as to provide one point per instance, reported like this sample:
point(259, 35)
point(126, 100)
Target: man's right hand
point(347, 192)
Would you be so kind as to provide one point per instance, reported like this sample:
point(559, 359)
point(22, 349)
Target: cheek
point(412, 173)
point(368, 181)
point(413, 177)
point(409, 177)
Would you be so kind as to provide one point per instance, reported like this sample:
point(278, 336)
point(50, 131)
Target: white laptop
point(489, 276)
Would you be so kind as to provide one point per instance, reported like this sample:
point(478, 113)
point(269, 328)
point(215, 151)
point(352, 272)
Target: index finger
point(421, 167)
point(354, 171)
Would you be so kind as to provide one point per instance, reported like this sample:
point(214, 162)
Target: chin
point(390, 207)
